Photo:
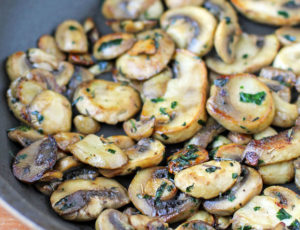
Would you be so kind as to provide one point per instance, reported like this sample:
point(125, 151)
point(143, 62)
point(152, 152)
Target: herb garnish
point(256, 208)
point(283, 13)
point(76, 100)
point(112, 151)
point(211, 169)
point(256, 98)
point(189, 188)
point(111, 43)
point(201, 122)
point(289, 37)
point(72, 28)
point(39, 116)
point(282, 214)
point(174, 104)
point(295, 225)
point(234, 175)
point(133, 125)
point(156, 100)
point(160, 191)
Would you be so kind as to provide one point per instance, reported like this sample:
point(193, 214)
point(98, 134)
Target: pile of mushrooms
point(184, 73)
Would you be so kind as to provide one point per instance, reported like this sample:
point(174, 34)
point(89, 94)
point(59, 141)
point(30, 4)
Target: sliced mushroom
point(47, 188)
point(65, 139)
point(112, 46)
point(24, 135)
point(207, 134)
point(239, 138)
point(189, 156)
point(180, 112)
point(71, 38)
point(222, 222)
point(111, 219)
point(86, 125)
point(277, 13)
point(101, 67)
point(139, 221)
point(279, 173)
point(66, 163)
point(32, 162)
point(154, 185)
point(64, 73)
point(17, 65)
point(122, 141)
point(142, 66)
point(48, 44)
point(284, 146)
point(248, 185)
point(203, 216)
point(220, 141)
point(288, 58)
point(252, 54)
point(233, 99)
point(230, 152)
point(189, 30)
point(81, 172)
point(153, 12)
point(131, 26)
point(297, 172)
point(120, 78)
point(194, 225)
point(97, 153)
point(180, 3)
point(209, 179)
point(81, 59)
point(172, 210)
point(268, 132)
point(50, 112)
point(42, 59)
point(83, 200)
point(107, 101)
point(138, 130)
point(288, 35)
point(146, 153)
point(91, 30)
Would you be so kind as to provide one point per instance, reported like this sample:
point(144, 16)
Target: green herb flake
point(282, 214)
point(189, 188)
point(112, 151)
point(170, 188)
point(81, 137)
point(234, 175)
point(295, 225)
point(245, 227)
point(160, 191)
point(156, 100)
point(184, 124)
point(133, 126)
point(256, 98)
point(228, 20)
point(283, 13)
point(211, 169)
point(241, 87)
point(256, 208)
point(72, 28)
point(231, 197)
point(245, 56)
point(201, 122)
point(164, 136)
point(39, 116)
point(260, 162)
point(21, 157)
point(163, 111)
point(174, 104)
point(109, 44)
point(289, 37)
point(76, 100)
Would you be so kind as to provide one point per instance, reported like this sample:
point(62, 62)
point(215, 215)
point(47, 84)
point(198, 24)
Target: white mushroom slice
point(230, 152)
point(91, 30)
point(146, 153)
point(288, 35)
point(283, 12)
point(130, 26)
point(180, 112)
point(268, 132)
point(71, 38)
point(48, 44)
point(239, 138)
point(222, 222)
point(112, 46)
point(67, 163)
point(172, 210)
point(83, 200)
point(111, 219)
point(154, 185)
point(101, 67)
point(41, 59)
point(233, 99)
point(203, 216)
point(64, 73)
point(65, 139)
point(194, 225)
point(97, 153)
point(248, 185)
point(285, 113)
point(220, 141)
point(106, 101)
point(142, 66)
point(252, 54)
point(209, 179)
point(189, 30)
point(81, 172)
point(284, 146)
point(122, 141)
point(297, 172)
point(279, 89)
point(17, 65)
point(50, 112)
point(279, 173)
point(288, 58)
point(24, 135)
point(86, 125)
point(81, 59)
point(180, 3)
point(138, 130)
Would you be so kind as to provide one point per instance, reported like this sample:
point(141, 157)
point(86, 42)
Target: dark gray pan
point(22, 22)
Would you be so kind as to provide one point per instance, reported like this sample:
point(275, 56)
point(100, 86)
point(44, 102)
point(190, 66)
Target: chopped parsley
point(295, 225)
point(21, 157)
point(201, 122)
point(170, 188)
point(184, 124)
point(256, 98)
point(282, 214)
point(234, 175)
point(72, 28)
point(231, 197)
point(245, 227)
point(283, 13)
point(133, 125)
point(228, 20)
point(112, 151)
point(256, 208)
point(39, 116)
point(156, 100)
point(260, 162)
point(76, 100)
point(211, 169)
point(245, 56)
point(164, 136)
point(189, 188)
point(289, 37)
point(109, 44)
point(174, 104)
point(22, 128)
point(160, 191)
point(163, 111)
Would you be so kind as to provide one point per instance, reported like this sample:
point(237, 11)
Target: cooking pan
point(21, 24)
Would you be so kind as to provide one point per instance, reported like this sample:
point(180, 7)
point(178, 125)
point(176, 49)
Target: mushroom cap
point(17, 65)
point(111, 219)
point(288, 35)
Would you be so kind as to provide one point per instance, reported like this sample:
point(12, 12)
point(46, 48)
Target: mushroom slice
point(91, 30)
point(288, 58)
point(86, 125)
point(48, 44)
point(131, 26)
point(268, 132)
point(233, 99)
point(24, 135)
point(277, 13)
point(285, 77)
point(252, 54)
point(222, 222)
point(278, 173)
point(66, 163)
point(98, 153)
point(83, 200)
point(180, 3)
point(172, 210)
point(111, 219)
point(142, 66)
point(209, 179)
point(285, 113)
point(122, 141)
point(288, 35)
point(189, 156)
point(64, 73)
point(81, 59)
point(33, 161)
point(107, 101)
point(220, 141)
point(101, 67)
point(207, 133)
point(112, 45)
point(50, 112)
point(230, 152)
point(239, 138)
point(17, 65)
point(146, 153)
point(194, 225)
point(81, 172)
point(71, 38)
point(138, 130)
point(248, 185)
point(41, 59)
point(203, 216)
point(297, 172)
point(189, 30)
point(284, 146)
point(65, 139)
point(180, 112)
point(47, 188)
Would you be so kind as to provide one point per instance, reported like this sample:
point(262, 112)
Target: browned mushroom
point(111, 219)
